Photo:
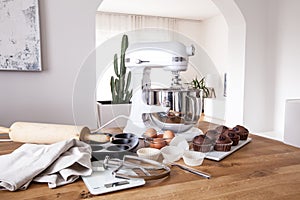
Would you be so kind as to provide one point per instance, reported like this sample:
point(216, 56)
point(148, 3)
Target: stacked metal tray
point(118, 145)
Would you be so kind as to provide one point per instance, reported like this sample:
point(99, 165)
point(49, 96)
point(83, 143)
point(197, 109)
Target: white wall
point(272, 62)
point(235, 61)
point(212, 35)
point(286, 48)
point(258, 103)
point(68, 36)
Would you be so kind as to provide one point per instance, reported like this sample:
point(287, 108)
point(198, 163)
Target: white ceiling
point(185, 9)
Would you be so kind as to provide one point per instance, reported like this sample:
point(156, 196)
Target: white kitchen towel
point(57, 164)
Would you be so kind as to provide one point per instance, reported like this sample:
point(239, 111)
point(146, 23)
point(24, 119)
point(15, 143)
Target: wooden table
point(263, 169)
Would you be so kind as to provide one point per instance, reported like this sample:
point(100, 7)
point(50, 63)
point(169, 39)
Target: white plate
point(219, 155)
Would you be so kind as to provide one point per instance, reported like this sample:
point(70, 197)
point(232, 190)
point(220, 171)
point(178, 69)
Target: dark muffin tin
point(118, 143)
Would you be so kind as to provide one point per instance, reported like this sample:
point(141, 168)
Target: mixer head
point(171, 56)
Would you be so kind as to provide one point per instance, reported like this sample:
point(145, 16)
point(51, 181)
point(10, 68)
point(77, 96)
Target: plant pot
point(108, 111)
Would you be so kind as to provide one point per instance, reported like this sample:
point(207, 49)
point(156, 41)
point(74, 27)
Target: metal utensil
point(191, 170)
point(144, 168)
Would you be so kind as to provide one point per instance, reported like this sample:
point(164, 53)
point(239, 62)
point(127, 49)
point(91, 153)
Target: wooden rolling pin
point(41, 133)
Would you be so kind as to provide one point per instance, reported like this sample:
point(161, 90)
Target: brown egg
point(168, 136)
point(158, 143)
point(151, 133)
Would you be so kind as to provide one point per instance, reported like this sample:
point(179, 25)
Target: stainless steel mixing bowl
point(184, 106)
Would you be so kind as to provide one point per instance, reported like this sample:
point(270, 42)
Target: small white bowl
point(193, 158)
point(172, 153)
point(149, 153)
point(180, 141)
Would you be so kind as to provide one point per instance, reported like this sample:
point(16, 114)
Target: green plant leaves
point(200, 85)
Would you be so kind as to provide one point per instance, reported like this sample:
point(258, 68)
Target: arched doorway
point(236, 57)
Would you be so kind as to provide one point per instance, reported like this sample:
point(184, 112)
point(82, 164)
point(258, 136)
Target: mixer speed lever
point(139, 61)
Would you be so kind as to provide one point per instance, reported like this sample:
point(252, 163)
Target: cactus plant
point(119, 90)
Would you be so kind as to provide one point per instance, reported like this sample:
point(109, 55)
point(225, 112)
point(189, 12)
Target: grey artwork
point(20, 35)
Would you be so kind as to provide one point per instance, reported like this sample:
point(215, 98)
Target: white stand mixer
point(173, 108)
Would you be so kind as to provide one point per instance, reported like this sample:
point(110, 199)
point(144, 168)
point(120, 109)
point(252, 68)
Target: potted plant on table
point(200, 84)
point(120, 90)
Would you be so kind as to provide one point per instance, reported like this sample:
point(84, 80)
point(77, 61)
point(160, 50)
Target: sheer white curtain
point(111, 24)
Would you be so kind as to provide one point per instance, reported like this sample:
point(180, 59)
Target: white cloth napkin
point(56, 164)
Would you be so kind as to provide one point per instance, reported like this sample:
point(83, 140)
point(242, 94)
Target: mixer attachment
point(143, 168)
point(176, 80)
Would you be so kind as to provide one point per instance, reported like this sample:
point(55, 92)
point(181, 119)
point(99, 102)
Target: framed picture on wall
point(20, 45)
